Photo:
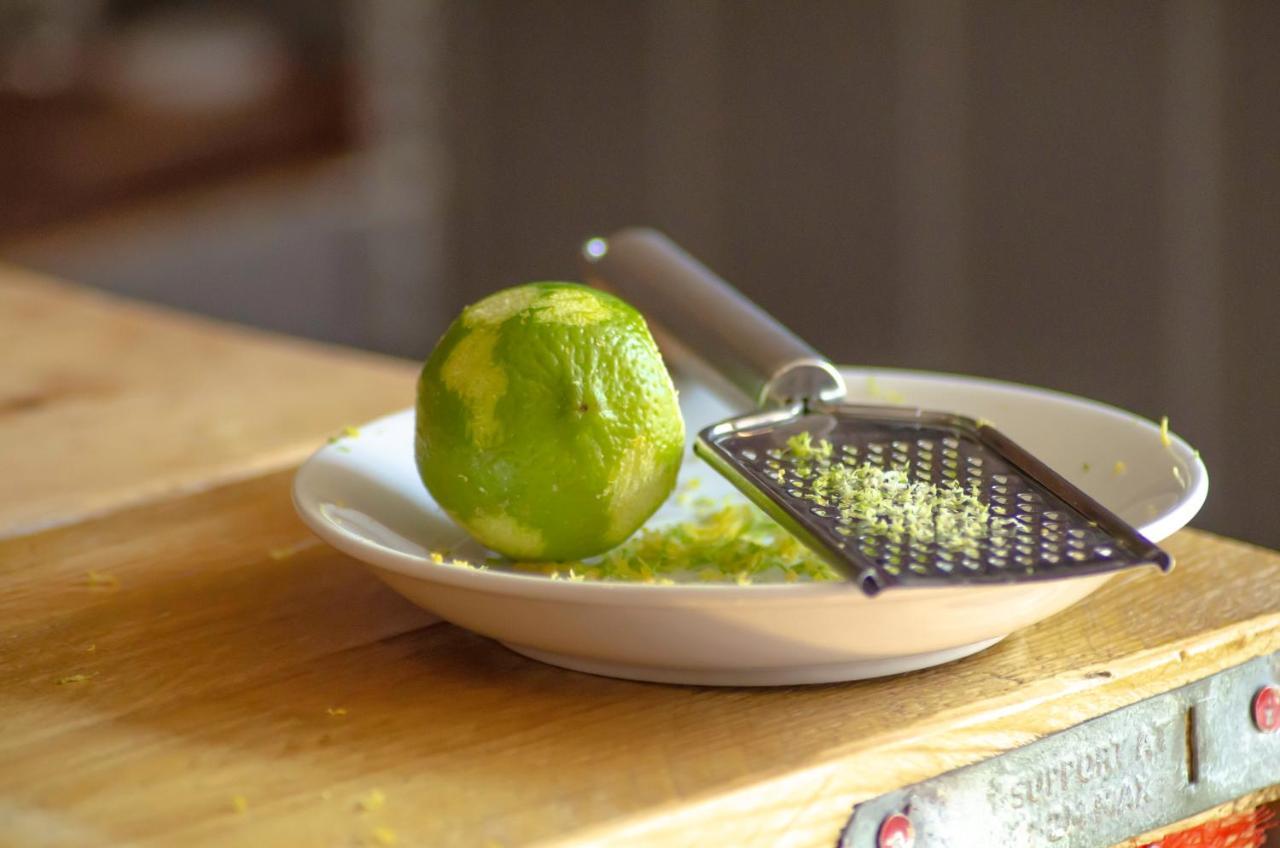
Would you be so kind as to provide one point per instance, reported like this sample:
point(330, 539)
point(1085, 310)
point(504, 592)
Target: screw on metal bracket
point(896, 831)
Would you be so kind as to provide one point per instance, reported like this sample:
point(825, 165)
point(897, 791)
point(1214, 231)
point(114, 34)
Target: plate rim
point(538, 586)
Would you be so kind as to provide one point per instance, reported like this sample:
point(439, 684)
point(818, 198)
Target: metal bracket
point(1103, 781)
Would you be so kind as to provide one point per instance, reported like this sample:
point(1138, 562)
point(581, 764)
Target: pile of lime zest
point(802, 447)
point(1164, 432)
point(728, 541)
point(887, 502)
point(1120, 468)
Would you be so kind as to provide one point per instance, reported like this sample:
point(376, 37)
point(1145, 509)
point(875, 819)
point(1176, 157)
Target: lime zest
point(101, 580)
point(371, 801)
point(730, 542)
point(801, 446)
point(887, 502)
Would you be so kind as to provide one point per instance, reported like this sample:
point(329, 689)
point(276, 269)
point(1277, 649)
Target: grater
point(1035, 524)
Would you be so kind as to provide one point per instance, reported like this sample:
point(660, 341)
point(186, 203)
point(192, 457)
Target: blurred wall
point(1084, 196)
point(1081, 195)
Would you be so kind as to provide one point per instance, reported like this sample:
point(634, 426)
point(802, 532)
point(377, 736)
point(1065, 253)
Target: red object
point(896, 831)
point(1266, 709)
point(1243, 830)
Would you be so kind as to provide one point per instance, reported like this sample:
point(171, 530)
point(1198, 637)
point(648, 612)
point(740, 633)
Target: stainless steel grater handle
point(739, 339)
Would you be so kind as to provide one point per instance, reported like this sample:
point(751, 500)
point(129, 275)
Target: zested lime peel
point(547, 424)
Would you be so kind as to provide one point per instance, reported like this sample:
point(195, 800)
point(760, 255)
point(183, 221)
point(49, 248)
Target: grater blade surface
point(1038, 525)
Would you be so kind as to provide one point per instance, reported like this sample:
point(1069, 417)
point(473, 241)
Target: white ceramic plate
point(363, 496)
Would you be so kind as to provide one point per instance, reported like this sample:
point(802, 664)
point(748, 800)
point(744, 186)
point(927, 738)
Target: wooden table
point(182, 663)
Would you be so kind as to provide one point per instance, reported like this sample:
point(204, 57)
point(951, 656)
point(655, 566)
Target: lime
point(547, 424)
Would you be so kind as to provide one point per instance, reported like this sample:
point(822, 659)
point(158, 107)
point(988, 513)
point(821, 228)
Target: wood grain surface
point(198, 669)
point(106, 402)
point(201, 671)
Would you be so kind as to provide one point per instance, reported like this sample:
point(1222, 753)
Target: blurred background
point(1084, 196)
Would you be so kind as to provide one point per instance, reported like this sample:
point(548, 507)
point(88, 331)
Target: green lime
point(547, 423)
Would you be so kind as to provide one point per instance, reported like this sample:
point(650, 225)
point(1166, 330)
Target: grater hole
point(749, 455)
